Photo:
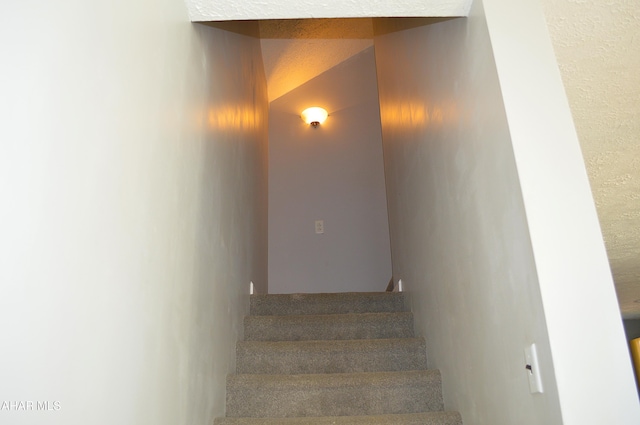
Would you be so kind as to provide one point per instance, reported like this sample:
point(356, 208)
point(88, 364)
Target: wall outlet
point(319, 227)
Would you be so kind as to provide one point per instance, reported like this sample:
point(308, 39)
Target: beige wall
point(132, 175)
point(493, 229)
point(333, 173)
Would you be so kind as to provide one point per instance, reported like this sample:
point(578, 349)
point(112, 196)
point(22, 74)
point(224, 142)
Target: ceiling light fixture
point(314, 116)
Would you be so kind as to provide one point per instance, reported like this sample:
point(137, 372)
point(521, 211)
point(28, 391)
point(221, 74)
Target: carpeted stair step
point(341, 394)
point(337, 303)
point(427, 418)
point(363, 355)
point(329, 327)
point(333, 359)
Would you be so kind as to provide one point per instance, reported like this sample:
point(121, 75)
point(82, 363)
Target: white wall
point(458, 226)
point(132, 169)
point(575, 280)
point(488, 258)
point(333, 173)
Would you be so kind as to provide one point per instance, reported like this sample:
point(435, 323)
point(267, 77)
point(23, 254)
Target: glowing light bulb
point(314, 116)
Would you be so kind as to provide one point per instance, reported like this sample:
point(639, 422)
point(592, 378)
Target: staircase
point(333, 359)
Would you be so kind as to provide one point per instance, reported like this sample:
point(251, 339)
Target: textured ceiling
point(597, 43)
point(297, 50)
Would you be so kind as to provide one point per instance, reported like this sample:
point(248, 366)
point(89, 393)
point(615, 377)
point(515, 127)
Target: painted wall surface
point(132, 167)
point(458, 227)
point(333, 173)
point(573, 272)
point(492, 223)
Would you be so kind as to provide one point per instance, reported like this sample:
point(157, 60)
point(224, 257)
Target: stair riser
point(333, 395)
point(297, 304)
point(430, 418)
point(334, 357)
point(328, 327)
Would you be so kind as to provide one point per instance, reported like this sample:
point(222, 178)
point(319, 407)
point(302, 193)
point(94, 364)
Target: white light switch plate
point(319, 227)
point(533, 369)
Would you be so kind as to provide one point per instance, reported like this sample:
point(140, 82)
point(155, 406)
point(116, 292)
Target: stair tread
point(326, 303)
point(333, 359)
point(337, 356)
point(334, 379)
point(424, 418)
point(327, 343)
point(330, 317)
point(341, 394)
point(329, 326)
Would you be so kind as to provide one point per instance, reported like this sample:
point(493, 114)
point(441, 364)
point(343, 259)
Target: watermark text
point(30, 405)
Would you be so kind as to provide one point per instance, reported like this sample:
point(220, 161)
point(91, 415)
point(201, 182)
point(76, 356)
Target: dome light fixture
point(314, 116)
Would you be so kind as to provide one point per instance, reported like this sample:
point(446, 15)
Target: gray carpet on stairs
point(340, 394)
point(330, 303)
point(427, 418)
point(356, 355)
point(329, 326)
point(343, 359)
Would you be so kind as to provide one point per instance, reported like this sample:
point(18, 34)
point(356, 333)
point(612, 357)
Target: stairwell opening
point(453, 190)
point(334, 173)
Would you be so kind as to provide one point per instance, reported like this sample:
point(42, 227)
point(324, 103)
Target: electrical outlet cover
point(533, 369)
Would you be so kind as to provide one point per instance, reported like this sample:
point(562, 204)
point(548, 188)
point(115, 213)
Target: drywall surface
point(478, 189)
point(458, 226)
point(571, 262)
point(333, 173)
point(132, 176)
point(224, 10)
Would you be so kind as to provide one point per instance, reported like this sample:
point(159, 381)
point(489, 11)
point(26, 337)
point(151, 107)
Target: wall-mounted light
point(314, 116)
